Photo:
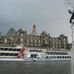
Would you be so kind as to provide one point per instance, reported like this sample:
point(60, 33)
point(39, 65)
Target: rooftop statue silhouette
point(72, 16)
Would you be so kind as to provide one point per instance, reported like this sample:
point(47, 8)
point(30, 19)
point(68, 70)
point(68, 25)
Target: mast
point(72, 49)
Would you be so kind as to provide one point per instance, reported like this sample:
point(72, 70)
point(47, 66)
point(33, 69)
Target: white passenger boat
point(31, 54)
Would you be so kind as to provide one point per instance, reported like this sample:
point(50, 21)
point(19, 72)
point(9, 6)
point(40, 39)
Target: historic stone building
point(34, 40)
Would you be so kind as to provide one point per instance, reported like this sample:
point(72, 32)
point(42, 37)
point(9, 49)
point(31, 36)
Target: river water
point(52, 67)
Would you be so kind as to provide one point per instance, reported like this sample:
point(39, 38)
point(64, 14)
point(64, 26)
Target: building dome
point(44, 33)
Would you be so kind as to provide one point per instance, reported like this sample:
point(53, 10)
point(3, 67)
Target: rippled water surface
point(52, 67)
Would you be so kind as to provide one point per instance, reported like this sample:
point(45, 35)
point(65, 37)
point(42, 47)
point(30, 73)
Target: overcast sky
point(48, 15)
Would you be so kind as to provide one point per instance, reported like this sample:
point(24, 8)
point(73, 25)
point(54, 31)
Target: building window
point(35, 44)
point(53, 42)
point(21, 39)
point(35, 41)
point(64, 39)
point(31, 40)
point(46, 42)
point(39, 45)
point(38, 41)
point(27, 40)
point(27, 44)
point(22, 34)
point(5, 41)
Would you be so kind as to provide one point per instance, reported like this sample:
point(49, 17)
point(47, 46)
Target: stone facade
point(34, 40)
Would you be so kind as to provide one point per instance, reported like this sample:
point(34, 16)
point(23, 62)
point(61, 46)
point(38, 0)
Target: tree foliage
point(11, 31)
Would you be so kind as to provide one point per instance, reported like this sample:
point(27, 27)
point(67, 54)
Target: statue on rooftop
point(72, 16)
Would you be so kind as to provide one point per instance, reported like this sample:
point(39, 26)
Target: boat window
point(46, 56)
point(2, 54)
point(14, 49)
point(18, 49)
point(7, 54)
point(55, 57)
point(1, 48)
point(63, 57)
point(47, 53)
point(58, 57)
point(35, 50)
point(5, 49)
point(33, 55)
point(11, 54)
point(15, 54)
point(69, 56)
point(10, 49)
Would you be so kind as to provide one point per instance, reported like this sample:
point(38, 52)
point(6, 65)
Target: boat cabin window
point(11, 54)
point(1, 48)
point(15, 49)
point(15, 54)
point(18, 49)
point(2, 54)
point(10, 49)
point(7, 54)
point(47, 57)
point(5, 49)
point(35, 50)
point(33, 55)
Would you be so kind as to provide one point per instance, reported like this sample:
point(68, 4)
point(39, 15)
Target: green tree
point(11, 31)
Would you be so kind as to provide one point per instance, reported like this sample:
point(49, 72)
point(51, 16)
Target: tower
point(34, 30)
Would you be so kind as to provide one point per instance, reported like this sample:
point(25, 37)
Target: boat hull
point(34, 59)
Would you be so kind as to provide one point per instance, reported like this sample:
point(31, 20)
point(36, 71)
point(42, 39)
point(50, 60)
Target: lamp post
point(72, 50)
point(72, 30)
point(70, 6)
